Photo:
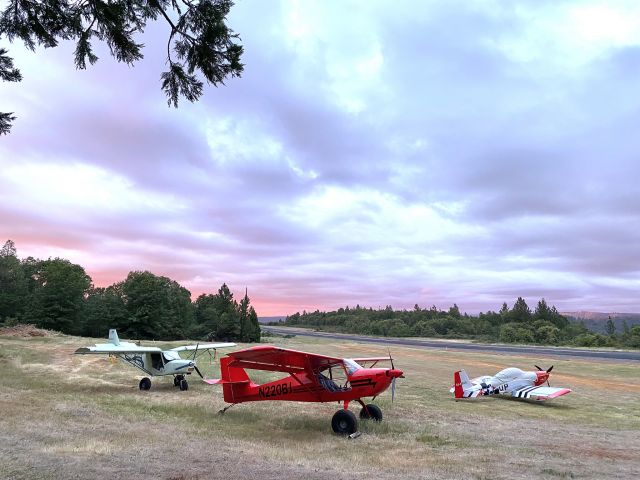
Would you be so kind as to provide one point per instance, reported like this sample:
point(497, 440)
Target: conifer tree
point(199, 40)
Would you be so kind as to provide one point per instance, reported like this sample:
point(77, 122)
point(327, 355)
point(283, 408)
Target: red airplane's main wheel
point(372, 412)
point(344, 422)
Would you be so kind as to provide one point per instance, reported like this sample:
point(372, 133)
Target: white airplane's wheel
point(176, 380)
point(344, 422)
point(374, 413)
point(145, 384)
point(184, 385)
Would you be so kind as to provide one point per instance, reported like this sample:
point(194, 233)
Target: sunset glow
point(373, 154)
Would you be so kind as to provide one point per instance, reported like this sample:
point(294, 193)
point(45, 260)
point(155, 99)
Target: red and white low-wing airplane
point(310, 378)
point(510, 381)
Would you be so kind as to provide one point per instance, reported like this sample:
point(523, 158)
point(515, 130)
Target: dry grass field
point(64, 416)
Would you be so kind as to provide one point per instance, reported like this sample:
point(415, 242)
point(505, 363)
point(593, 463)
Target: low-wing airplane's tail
point(113, 337)
point(462, 386)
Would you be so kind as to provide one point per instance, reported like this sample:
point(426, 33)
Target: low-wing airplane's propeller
point(548, 370)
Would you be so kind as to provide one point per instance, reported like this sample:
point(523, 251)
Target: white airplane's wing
point(203, 346)
point(540, 393)
point(122, 348)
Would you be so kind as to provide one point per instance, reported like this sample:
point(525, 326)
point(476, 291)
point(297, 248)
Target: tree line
point(59, 295)
point(518, 324)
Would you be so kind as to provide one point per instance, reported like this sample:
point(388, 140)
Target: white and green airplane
point(153, 360)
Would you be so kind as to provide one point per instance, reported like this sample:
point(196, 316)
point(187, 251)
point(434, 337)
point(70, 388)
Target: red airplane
point(306, 381)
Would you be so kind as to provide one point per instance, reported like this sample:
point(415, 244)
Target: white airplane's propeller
point(193, 360)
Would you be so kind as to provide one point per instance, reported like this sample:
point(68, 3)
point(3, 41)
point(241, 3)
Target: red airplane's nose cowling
point(395, 373)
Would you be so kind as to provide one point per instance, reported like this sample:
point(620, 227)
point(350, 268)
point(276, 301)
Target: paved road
point(615, 355)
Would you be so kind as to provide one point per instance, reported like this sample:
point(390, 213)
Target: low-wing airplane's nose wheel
point(372, 412)
point(344, 422)
point(184, 385)
point(177, 379)
point(145, 384)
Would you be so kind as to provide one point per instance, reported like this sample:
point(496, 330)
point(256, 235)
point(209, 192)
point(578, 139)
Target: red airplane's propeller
point(548, 370)
point(393, 380)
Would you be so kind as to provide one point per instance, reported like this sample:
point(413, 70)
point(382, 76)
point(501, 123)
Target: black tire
point(177, 379)
point(184, 385)
point(145, 384)
point(372, 412)
point(344, 422)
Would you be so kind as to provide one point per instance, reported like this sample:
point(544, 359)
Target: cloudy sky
point(374, 153)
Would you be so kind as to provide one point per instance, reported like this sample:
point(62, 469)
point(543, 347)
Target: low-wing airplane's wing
point(203, 346)
point(122, 348)
point(540, 393)
point(276, 359)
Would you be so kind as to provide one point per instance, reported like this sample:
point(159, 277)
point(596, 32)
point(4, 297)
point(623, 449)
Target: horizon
point(430, 154)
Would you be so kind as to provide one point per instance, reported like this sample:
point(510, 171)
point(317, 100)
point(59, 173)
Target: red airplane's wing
point(276, 359)
point(370, 362)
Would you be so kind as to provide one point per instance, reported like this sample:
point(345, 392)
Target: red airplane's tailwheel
point(344, 422)
point(372, 412)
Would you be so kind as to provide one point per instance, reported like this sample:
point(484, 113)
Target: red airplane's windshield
point(351, 366)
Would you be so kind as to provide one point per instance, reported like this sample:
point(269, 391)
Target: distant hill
point(596, 321)
point(272, 319)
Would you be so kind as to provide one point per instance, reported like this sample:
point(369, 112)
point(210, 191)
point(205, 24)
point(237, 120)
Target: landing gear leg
point(221, 412)
point(370, 411)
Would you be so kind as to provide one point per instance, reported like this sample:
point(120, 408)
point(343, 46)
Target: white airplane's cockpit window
point(168, 356)
point(351, 366)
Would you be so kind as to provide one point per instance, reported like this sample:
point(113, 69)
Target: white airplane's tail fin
point(461, 384)
point(113, 337)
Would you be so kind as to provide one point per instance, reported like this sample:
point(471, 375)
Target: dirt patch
point(25, 330)
point(601, 453)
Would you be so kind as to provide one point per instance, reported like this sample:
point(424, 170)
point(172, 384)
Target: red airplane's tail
point(235, 381)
